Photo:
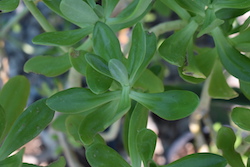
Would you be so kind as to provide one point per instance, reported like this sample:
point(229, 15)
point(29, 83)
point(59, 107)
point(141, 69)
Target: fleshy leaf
point(138, 121)
point(72, 124)
point(173, 49)
point(59, 123)
point(79, 12)
point(118, 71)
point(227, 146)
point(109, 6)
point(76, 100)
point(149, 82)
point(97, 121)
point(28, 125)
point(100, 155)
point(199, 160)
point(105, 42)
point(234, 62)
point(137, 51)
point(49, 66)
point(245, 88)
point(54, 6)
point(8, 5)
point(78, 61)
point(62, 38)
point(231, 3)
point(146, 142)
point(169, 105)
point(2, 121)
point(98, 63)
point(97, 82)
point(14, 160)
point(218, 87)
point(240, 117)
point(195, 6)
point(13, 99)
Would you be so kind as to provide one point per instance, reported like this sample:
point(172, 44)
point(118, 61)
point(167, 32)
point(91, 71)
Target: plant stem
point(168, 26)
point(39, 16)
point(196, 117)
point(13, 21)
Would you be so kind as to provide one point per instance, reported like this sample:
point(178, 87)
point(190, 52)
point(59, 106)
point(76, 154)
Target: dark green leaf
point(59, 122)
point(28, 125)
point(54, 6)
point(100, 155)
point(173, 49)
point(234, 62)
point(195, 6)
point(118, 71)
point(138, 121)
point(13, 99)
point(76, 100)
point(218, 87)
point(62, 38)
point(2, 121)
point(231, 3)
point(229, 13)
point(149, 82)
point(78, 61)
point(14, 160)
point(105, 42)
point(188, 78)
point(49, 66)
point(73, 123)
point(245, 88)
point(8, 5)
point(199, 160)
point(170, 105)
point(109, 6)
point(225, 141)
point(146, 142)
point(137, 51)
point(97, 82)
point(98, 63)
point(240, 117)
point(79, 12)
point(97, 121)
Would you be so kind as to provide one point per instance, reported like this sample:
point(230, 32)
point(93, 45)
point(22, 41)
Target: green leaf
point(2, 121)
point(79, 12)
point(146, 142)
point(109, 6)
point(137, 51)
point(173, 49)
point(195, 6)
point(230, 13)
point(151, 43)
point(234, 62)
point(49, 66)
point(13, 99)
point(97, 82)
point(62, 38)
point(225, 141)
point(199, 160)
point(118, 71)
point(28, 125)
point(149, 82)
point(98, 63)
point(245, 88)
point(105, 42)
point(240, 117)
point(231, 3)
point(138, 121)
point(72, 124)
point(59, 163)
point(218, 87)
point(76, 100)
point(210, 22)
point(132, 14)
point(100, 155)
point(54, 6)
point(8, 5)
point(78, 61)
point(14, 160)
point(97, 121)
point(59, 123)
point(169, 105)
